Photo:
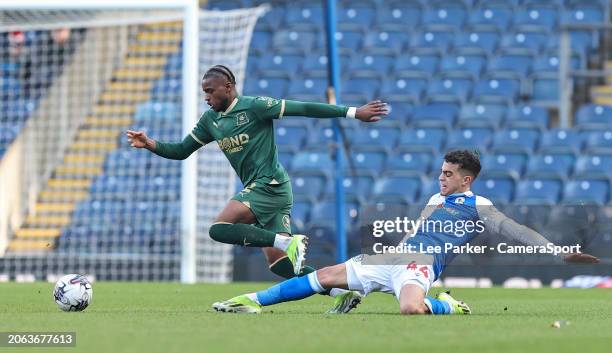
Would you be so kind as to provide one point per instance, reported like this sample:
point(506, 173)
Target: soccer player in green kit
point(259, 215)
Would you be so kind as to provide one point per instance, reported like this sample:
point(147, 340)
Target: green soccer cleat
point(296, 252)
point(345, 302)
point(239, 304)
point(457, 307)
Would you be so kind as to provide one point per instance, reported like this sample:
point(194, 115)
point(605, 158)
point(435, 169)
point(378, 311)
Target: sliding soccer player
point(410, 280)
point(259, 215)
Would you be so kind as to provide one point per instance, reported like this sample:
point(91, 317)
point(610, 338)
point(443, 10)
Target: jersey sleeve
point(267, 108)
point(498, 223)
point(200, 132)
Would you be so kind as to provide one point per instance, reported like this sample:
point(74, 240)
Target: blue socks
point(437, 307)
point(292, 289)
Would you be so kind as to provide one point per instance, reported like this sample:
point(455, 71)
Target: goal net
point(74, 197)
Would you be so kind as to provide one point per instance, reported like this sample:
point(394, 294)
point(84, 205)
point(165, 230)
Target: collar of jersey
point(229, 109)
point(468, 193)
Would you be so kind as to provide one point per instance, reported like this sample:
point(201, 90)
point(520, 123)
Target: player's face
point(451, 180)
point(217, 92)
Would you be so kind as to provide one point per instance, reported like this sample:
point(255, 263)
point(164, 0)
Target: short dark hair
point(220, 71)
point(467, 160)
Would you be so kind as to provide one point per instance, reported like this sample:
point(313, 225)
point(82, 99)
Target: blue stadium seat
point(594, 116)
point(300, 215)
point(528, 116)
point(298, 41)
point(309, 186)
point(357, 16)
point(360, 88)
point(374, 65)
point(496, 16)
point(530, 40)
point(404, 88)
point(545, 89)
point(312, 161)
point(582, 14)
point(477, 42)
point(290, 138)
point(411, 64)
point(557, 164)
point(356, 187)
point(538, 17)
point(434, 39)
point(285, 158)
point(435, 114)
point(260, 42)
point(349, 41)
point(325, 212)
point(385, 137)
point(445, 14)
point(470, 64)
point(504, 164)
point(515, 140)
point(386, 42)
point(423, 139)
point(593, 166)
point(498, 189)
point(310, 89)
point(409, 162)
point(549, 63)
point(399, 16)
point(561, 141)
point(309, 16)
point(268, 87)
point(497, 88)
point(397, 188)
point(456, 89)
point(581, 41)
point(482, 115)
point(538, 191)
point(518, 64)
point(400, 111)
point(322, 135)
point(315, 65)
point(279, 65)
point(584, 191)
point(364, 160)
point(470, 139)
point(598, 141)
point(272, 20)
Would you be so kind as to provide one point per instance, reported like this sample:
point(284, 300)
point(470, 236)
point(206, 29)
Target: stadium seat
point(482, 115)
point(272, 21)
point(309, 186)
point(435, 39)
point(374, 65)
point(268, 87)
point(504, 164)
point(594, 116)
point(285, 158)
point(261, 41)
point(400, 111)
point(468, 64)
point(496, 88)
point(324, 212)
point(538, 191)
point(435, 114)
point(397, 189)
point(290, 138)
point(582, 14)
point(545, 89)
point(315, 65)
point(415, 64)
point(399, 16)
point(359, 88)
point(598, 141)
point(527, 115)
point(593, 166)
point(450, 14)
point(279, 65)
point(533, 215)
point(300, 215)
point(408, 162)
point(561, 141)
point(498, 189)
point(469, 138)
point(386, 42)
point(312, 161)
point(497, 16)
point(515, 140)
point(309, 89)
point(477, 42)
point(308, 17)
point(349, 42)
point(530, 40)
point(538, 17)
point(384, 137)
point(423, 140)
point(518, 64)
point(553, 164)
point(584, 191)
point(549, 63)
point(455, 89)
point(403, 88)
point(358, 16)
point(297, 41)
point(364, 160)
point(356, 186)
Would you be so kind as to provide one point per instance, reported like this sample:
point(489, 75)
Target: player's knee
point(412, 309)
point(218, 230)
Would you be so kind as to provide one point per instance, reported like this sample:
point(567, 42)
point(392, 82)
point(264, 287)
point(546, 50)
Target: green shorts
point(271, 205)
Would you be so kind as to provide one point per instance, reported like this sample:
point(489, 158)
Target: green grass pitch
point(169, 317)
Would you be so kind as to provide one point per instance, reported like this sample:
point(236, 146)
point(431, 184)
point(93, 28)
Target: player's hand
point(372, 111)
point(137, 139)
point(580, 258)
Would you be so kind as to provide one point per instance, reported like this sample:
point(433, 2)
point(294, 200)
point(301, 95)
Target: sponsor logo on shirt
point(233, 144)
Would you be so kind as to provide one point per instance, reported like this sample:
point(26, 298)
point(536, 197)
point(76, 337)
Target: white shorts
point(386, 278)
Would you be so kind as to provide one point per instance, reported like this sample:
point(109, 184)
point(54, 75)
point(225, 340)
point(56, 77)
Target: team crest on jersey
point(460, 200)
point(241, 119)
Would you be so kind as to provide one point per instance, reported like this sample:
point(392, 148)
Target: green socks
point(242, 234)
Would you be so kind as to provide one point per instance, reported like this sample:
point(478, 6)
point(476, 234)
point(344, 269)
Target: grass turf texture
point(167, 317)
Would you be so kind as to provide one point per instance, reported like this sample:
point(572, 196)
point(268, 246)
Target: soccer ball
point(73, 293)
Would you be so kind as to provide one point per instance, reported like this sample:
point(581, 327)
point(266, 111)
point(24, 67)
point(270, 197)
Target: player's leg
point(413, 300)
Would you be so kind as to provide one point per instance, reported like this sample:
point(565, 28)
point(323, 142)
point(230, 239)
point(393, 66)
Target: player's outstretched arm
point(179, 150)
point(370, 112)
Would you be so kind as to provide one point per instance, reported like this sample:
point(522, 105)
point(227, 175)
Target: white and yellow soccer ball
point(73, 293)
